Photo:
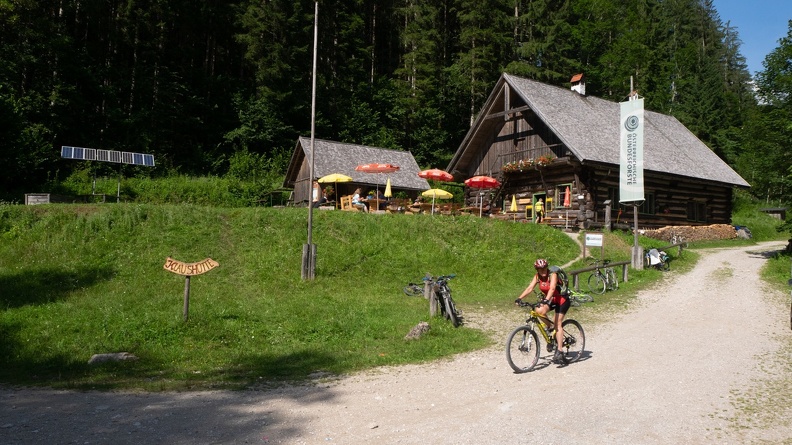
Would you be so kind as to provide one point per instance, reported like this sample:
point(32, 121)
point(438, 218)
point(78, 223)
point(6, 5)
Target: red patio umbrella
point(377, 168)
point(482, 182)
point(436, 174)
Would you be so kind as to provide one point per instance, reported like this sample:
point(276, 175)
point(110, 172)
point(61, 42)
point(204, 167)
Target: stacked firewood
point(694, 233)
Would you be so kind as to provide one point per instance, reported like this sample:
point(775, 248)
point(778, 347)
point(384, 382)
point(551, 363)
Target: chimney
point(579, 84)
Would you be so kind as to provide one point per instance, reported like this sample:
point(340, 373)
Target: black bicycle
point(443, 294)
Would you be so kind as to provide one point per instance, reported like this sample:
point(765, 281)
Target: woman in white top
point(357, 202)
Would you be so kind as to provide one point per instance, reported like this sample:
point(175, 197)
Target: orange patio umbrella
point(377, 168)
point(567, 200)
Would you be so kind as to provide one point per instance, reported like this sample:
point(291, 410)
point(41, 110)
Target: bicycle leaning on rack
point(522, 345)
point(443, 294)
point(603, 278)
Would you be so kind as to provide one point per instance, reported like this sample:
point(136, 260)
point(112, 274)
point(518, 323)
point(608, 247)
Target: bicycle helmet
point(541, 263)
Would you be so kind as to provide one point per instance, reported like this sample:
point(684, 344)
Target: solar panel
point(92, 154)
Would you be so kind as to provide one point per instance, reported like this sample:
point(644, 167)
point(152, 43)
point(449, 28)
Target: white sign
point(594, 239)
point(631, 178)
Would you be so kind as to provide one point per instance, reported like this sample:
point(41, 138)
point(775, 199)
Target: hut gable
point(340, 157)
point(588, 128)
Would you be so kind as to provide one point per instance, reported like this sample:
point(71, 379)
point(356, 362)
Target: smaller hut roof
point(340, 157)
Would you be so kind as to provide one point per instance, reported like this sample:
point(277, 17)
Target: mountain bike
point(443, 294)
point(413, 290)
point(677, 238)
point(522, 345)
point(603, 278)
point(577, 298)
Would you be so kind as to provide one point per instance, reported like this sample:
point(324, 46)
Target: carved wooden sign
point(189, 269)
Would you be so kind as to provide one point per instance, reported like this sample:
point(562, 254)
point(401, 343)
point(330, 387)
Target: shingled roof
point(589, 127)
point(339, 157)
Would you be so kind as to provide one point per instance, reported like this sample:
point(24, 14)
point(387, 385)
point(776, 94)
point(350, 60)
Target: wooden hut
point(340, 157)
point(561, 146)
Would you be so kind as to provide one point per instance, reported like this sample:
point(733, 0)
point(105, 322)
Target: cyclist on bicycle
point(553, 299)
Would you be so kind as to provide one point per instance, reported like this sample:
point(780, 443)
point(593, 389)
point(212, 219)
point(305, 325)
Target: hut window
point(648, 206)
point(697, 211)
point(560, 196)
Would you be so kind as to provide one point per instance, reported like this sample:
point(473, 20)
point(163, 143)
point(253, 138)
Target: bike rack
point(576, 272)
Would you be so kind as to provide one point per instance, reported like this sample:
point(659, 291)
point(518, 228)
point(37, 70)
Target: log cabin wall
point(670, 200)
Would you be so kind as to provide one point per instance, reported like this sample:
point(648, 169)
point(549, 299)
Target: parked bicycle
point(577, 298)
point(522, 345)
point(443, 294)
point(603, 278)
point(677, 238)
point(413, 290)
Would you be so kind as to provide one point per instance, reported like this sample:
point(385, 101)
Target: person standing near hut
point(539, 210)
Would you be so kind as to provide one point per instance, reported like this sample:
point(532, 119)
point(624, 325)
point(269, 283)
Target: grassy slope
point(79, 280)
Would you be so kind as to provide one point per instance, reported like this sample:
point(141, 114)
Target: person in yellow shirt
point(539, 210)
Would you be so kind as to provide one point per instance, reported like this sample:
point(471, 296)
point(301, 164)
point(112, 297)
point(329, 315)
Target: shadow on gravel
point(34, 416)
point(766, 254)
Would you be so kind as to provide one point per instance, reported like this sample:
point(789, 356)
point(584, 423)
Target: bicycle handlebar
point(440, 278)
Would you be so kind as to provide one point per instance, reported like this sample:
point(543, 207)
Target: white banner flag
point(631, 180)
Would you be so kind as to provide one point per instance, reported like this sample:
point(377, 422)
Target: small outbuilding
point(340, 157)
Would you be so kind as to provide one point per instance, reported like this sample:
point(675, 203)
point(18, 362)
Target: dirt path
point(680, 365)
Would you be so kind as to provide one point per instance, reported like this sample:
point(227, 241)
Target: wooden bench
point(346, 204)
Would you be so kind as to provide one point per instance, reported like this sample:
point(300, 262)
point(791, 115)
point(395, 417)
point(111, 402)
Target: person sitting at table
point(358, 202)
point(382, 200)
point(415, 207)
point(319, 197)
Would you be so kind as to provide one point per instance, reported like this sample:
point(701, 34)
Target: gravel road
point(699, 359)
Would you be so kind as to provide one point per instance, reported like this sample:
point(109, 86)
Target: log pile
point(694, 233)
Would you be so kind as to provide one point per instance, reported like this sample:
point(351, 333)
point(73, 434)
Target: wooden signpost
point(188, 270)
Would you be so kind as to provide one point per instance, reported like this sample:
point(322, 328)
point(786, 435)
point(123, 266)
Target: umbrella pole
point(433, 201)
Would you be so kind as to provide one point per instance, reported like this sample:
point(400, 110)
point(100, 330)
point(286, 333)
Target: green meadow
point(78, 280)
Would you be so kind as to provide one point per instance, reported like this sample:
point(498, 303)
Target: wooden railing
point(624, 265)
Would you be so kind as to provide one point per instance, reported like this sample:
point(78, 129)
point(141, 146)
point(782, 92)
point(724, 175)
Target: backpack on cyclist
point(563, 279)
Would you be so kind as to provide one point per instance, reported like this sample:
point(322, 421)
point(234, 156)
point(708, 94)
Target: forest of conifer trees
point(195, 82)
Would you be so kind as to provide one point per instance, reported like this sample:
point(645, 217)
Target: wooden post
point(186, 297)
point(430, 295)
point(637, 250)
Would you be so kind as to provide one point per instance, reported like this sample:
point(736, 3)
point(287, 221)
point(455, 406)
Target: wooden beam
point(508, 112)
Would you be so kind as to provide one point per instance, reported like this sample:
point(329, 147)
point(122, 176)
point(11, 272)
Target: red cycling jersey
point(544, 286)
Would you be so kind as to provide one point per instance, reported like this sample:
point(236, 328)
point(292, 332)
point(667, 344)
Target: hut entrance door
point(539, 204)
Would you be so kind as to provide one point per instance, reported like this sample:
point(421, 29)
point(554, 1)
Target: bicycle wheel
point(574, 340)
point(450, 309)
point(522, 349)
point(596, 283)
point(413, 290)
point(665, 266)
point(612, 280)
